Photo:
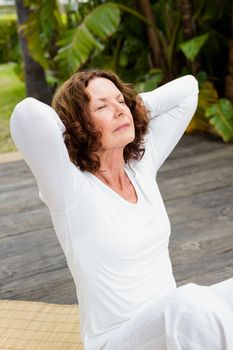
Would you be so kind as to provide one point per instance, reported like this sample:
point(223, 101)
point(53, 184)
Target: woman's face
point(110, 114)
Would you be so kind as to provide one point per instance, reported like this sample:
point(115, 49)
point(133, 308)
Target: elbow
point(25, 110)
point(21, 115)
point(24, 106)
point(193, 83)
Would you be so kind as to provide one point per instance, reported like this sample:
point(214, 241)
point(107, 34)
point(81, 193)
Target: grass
point(12, 90)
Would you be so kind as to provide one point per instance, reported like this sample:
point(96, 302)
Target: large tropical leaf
point(35, 48)
point(150, 81)
point(77, 44)
point(192, 47)
point(207, 97)
point(41, 27)
point(220, 115)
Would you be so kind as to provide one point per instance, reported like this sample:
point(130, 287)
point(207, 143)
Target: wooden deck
point(196, 183)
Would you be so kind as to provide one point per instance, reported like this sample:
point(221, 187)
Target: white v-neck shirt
point(117, 251)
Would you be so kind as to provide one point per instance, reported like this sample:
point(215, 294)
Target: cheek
point(98, 121)
point(129, 113)
point(105, 127)
point(131, 119)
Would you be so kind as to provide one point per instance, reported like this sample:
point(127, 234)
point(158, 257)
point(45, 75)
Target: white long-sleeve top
point(117, 251)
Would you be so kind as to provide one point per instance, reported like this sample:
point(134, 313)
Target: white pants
point(191, 317)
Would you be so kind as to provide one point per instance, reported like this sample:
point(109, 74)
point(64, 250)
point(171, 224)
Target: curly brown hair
point(82, 140)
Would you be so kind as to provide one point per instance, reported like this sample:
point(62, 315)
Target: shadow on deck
point(196, 183)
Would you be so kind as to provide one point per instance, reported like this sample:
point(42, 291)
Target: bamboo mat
point(26, 325)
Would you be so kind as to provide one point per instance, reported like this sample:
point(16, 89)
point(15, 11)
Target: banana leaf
point(150, 81)
point(40, 27)
point(220, 116)
point(192, 47)
point(77, 44)
point(207, 97)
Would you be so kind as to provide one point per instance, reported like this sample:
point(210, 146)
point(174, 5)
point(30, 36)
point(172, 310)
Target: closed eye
point(101, 107)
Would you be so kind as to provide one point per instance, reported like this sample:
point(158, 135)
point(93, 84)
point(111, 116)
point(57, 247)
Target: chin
point(121, 141)
point(126, 139)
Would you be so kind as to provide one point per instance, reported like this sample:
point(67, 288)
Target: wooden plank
point(210, 259)
point(48, 286)
point(19, 174)
point(10, 156)
point(201, 212)
point(197, 144)
point(20, 200)
point(13, 224)
point(196, 183)
point(31, 262)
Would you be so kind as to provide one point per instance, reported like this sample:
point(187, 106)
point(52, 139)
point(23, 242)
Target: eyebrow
point(104, 98)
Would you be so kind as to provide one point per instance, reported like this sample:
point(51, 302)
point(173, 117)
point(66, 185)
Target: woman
point(95, 162)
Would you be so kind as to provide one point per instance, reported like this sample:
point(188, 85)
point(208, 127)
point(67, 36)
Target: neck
point(112, 169)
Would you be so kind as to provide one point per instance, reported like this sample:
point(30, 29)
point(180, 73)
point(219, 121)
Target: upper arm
point(37, 131)
point(172, 107)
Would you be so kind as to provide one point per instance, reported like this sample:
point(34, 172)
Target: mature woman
point(95, 161)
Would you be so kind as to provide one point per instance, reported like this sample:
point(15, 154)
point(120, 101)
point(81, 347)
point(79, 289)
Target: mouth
point(122, 126)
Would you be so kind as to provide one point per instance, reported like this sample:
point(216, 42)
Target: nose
point(118, 109)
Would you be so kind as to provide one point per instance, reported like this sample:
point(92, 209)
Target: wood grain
point(196, 182)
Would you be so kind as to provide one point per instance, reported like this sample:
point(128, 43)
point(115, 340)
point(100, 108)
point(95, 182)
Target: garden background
point(146, 42)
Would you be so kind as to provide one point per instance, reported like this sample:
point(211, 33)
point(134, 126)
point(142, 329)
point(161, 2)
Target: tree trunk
point(36, 84)
point(185, 7)
point(229, 75)
point(156, 51)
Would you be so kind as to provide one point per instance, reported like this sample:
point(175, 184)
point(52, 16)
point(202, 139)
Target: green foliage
point(9, 44)
point(151, 81)
point(127, 51)
point(220, 115)
point(42, 29)
point(12, 91)
point(114, 36)
point(213, 115)
point(207, 97)
point(168, 28)
point(76, 45)
point(192, 47)
point(62, 44)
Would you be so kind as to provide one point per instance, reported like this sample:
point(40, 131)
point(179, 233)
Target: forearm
point(173, 94)
point(172, 107)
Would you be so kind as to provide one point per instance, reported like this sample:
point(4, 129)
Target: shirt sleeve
point(37, 132)
point(172, 107)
